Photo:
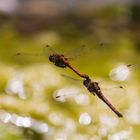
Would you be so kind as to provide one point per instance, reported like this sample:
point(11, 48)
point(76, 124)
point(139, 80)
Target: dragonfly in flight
point(60, 60)
point(94, 88)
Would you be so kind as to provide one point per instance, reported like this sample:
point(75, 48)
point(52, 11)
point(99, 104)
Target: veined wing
point(116, 94)
point(24, 57)
point(113, 92)
point(70, 55)
point(77, 52)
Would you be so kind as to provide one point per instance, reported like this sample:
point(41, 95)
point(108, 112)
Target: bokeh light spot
point(85, 119)
point(120, 73)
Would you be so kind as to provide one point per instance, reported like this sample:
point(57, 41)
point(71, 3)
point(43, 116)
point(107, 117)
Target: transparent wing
point(116, 94)
point(25, 57)
point(84, 49)
point(69, 94)
point(47, 50)
point(110, 87)
point(77, 51)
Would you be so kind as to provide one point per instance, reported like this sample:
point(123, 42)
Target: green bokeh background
point(115, 26)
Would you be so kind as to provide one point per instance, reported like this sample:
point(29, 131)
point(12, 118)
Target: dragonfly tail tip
point(120, 115)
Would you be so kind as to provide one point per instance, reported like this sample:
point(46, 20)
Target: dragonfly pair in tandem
point(93, 87)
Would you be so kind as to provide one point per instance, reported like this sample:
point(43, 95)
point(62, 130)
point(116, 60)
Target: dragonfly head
point(52, 57)
point(87, 82)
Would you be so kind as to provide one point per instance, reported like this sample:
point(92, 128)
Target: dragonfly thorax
point(58, 60)
point(93, 87)
point(96, 86)
point(52, 57)
point(87, 82)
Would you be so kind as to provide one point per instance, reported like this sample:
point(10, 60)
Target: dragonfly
point(94, 88)
point(60, 60)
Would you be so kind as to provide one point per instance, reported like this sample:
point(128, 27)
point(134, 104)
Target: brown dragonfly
point(94, 88)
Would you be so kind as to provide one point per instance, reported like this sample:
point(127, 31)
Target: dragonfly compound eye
point(52, 58)
point(87, 82)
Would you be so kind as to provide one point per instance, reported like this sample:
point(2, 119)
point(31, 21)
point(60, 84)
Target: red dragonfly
point(60, 60)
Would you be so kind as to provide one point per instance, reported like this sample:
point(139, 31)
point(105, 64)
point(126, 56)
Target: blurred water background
point(29, 84)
